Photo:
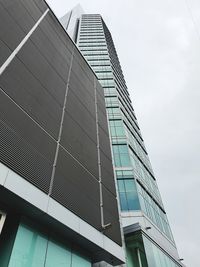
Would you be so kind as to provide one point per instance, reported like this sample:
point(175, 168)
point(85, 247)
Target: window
point(107, 82)
point(124, 174)
point(115, 110)
point(105, 75)
point(96, 48)
point(135, 164)
point(91, 42)
point(102, 63)
point(109, 91)
point(111, 101)
point(154, 212)
point(117, 128)
point(128, 195)
point(94, 53)
point(34, 248)
point(121, 155)
point(97, 57)
point(156, 257)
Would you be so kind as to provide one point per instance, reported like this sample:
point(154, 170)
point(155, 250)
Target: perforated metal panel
point(11, 34)
point(104, 142)
point(111, 216)
point(24, 16)
point(54, 30)
point(33, 88)
point(5, 52)
point(34, 10)
point(23, 159)
point(82, 115)
point(83, 93)
point(27, 91)
point(76, 189)
point(42, 70)
point(85, 69)
point(82, 74)
point(76, 140)
point(107, 173)
point(26, 128)
point(40, 4)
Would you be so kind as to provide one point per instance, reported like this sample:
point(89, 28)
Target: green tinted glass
point(58, 255)
point(29, 248)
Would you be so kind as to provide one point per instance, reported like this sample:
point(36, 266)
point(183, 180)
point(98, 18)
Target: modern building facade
point(58, 205)
point(149, 240)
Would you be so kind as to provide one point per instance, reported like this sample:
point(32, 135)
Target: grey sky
point(158, 43)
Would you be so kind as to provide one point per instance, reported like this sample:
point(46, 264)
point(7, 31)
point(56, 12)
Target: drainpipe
point(103, 225)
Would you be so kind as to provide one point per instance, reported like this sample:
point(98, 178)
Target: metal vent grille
point(32, 90)
point(76, 189)
point(24, 159)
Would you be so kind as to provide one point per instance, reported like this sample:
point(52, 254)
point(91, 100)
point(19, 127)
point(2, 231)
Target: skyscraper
point(149, 240)
point(58, 205)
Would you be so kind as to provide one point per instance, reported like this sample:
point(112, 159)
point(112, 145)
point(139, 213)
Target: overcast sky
point(158, 44)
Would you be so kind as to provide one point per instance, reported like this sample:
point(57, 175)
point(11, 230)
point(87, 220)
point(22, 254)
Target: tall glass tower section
point(148, 237)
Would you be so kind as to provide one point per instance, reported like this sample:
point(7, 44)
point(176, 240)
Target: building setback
point(149, 240)
point(58, 202)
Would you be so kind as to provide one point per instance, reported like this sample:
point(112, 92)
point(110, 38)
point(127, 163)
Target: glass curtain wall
point(33, 247)
point(156, 257)
point(142, 252)
point(137, 185)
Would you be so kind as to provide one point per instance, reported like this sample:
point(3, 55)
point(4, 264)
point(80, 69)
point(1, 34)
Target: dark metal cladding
point(29, 93)
point(76, 189)
point(81, 114)
point(107, 173)
point(5, 52)
point(111, 216)
point(42, 70)
point(32, 93)
point(12, 34)
point(76, 140)
point(23, 17)
point(26, 128)
point(104, 142)
point(52, 48)
point(23, 159)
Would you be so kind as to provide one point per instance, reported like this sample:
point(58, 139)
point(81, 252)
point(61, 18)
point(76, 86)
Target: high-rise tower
point(149, 240)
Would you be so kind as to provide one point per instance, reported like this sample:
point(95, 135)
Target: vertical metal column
point(61, 125)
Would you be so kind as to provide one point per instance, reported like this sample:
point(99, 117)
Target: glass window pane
point(125, 160)
point(130, 185)
point(133, 202)
point(58, 255)
point(123, 149)
point(29, 248)
point(117, 160)
point(79, 260)
point(121, 187)
point(123, 201)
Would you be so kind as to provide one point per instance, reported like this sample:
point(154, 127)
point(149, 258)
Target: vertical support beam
point(61, 125)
